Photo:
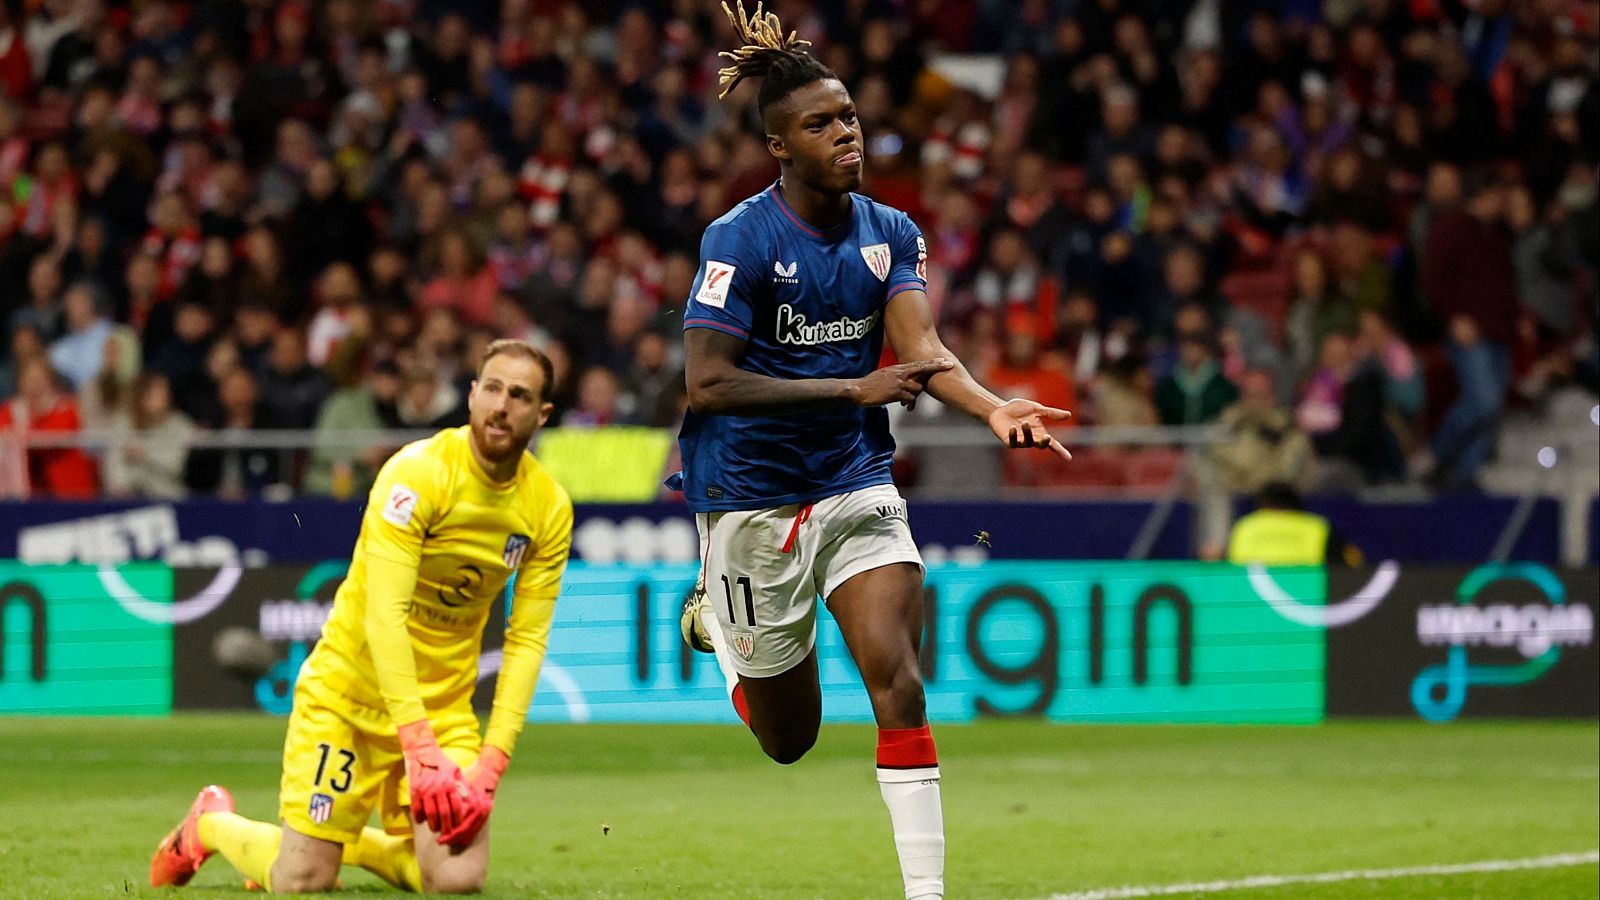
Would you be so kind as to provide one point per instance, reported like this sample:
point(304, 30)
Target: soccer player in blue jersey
point(786, 447)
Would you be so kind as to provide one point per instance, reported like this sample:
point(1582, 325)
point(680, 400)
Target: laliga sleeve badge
point(714, 287)
point(401, 504)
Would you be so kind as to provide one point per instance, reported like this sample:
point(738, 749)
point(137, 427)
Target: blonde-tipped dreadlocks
point(781, 62)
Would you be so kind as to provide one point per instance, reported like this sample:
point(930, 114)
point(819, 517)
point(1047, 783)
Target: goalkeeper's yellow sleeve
point(533, 608)
point(389, 587)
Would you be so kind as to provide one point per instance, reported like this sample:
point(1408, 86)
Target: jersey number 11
point(749, 600)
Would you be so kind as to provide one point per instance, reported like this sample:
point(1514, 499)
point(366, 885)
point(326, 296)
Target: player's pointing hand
point(1020, 423)
point(901, 383)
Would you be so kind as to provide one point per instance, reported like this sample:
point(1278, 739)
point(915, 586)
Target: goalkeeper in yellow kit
point(382, 714)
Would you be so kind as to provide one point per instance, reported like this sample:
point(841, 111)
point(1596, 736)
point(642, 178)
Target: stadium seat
point(1090, 469)
point(1262, 291)
point(1152, 470)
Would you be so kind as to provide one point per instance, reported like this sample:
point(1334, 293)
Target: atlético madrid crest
point(516, 546)
point(320, 808)
point(877, 257)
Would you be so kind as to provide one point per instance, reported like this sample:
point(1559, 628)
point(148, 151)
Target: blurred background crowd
point(1352, 233)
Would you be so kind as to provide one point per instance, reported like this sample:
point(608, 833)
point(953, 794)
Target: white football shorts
point(764, 568)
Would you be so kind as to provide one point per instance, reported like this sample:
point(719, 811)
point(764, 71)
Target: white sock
point(719, 646)
point(912, 796)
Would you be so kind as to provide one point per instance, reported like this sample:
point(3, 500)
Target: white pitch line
point(1556, 861)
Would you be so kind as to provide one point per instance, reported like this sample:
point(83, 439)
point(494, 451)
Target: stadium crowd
point(1351, 231)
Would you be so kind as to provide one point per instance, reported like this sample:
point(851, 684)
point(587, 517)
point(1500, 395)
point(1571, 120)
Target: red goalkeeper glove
point(483, 776)
point(439, 796)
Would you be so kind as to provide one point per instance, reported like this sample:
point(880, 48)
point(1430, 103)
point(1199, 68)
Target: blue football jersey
point(809, 304)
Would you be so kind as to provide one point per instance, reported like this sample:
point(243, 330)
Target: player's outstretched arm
point(908, 323)
point(718, 387)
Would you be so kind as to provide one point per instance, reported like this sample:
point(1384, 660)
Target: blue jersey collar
point(829, 236)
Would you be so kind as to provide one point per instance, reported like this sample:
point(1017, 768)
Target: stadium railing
point(955, 459)
point(942, 458)
point(305, 439)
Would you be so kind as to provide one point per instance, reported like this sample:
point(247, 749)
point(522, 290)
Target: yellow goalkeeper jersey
point(438, 543)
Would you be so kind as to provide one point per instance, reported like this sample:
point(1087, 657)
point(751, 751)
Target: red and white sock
point(719, 646)
point(908, 778)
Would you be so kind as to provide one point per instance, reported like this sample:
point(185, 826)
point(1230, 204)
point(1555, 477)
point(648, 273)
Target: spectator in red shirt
point(16, 72)
point(462, 283)
point(13, 146)
point(1030, 204)
point(1025, 372)
point(174, 240)
point(139, 109)
point(1015, 286)
point(339, 292)
point(543, 177)
point(52, 183)
point(40, 405)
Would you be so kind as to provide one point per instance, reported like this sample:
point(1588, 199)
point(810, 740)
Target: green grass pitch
point(1031, 809)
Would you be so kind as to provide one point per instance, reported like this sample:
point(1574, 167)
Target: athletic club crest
point(877, 257)
point(516, 546)
point(321, 808)
point(744, 643)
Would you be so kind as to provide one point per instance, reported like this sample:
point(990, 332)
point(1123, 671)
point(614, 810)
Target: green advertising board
point(1124, 642)
point(71, 645)
point(1065, 641)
